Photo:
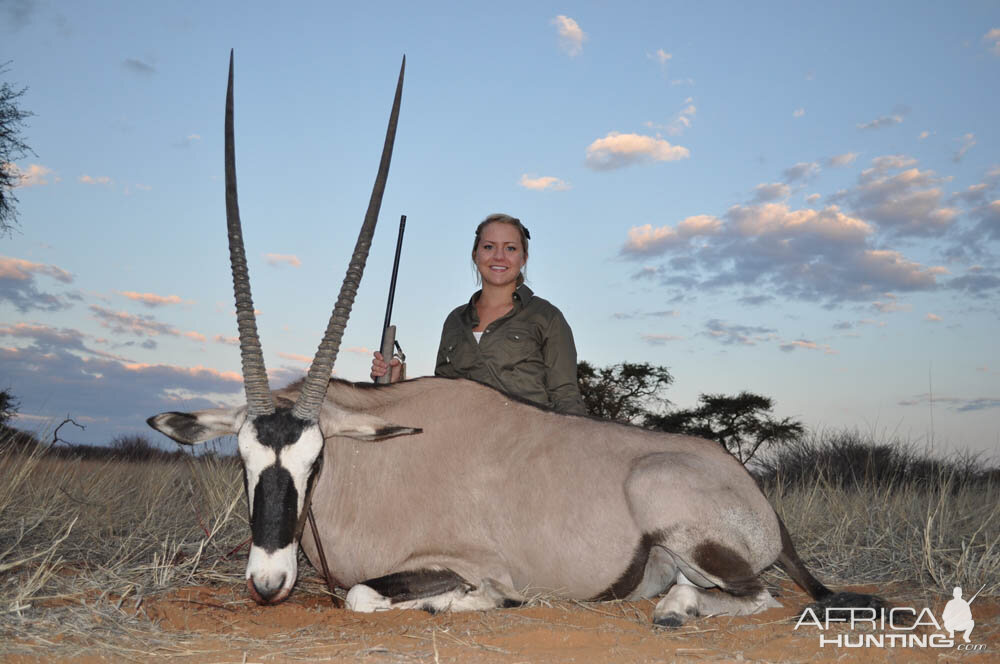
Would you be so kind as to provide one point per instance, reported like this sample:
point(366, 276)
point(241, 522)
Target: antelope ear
point(197, 427)
point(360, 426)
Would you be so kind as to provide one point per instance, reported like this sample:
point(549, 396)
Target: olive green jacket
point(528, 353)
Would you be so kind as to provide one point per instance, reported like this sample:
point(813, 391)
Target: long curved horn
point(314, 390)
point(259, 400)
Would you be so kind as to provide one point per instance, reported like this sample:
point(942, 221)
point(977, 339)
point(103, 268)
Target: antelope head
point(280, 443)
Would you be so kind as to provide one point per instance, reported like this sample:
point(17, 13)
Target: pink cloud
point(151, 299)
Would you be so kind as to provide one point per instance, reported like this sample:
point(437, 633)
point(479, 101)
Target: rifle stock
point(388, 341)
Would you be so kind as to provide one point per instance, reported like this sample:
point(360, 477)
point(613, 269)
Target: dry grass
point(861, 511)
point(84, 542)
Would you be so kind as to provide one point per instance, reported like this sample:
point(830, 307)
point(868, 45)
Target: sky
point(797, 199)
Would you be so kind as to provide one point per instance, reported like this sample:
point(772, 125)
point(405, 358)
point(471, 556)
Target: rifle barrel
point(392, 282)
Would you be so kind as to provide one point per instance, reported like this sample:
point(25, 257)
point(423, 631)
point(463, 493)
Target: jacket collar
point(522, 295)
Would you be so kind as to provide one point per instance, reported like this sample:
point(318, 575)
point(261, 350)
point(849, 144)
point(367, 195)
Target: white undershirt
point(478, 336)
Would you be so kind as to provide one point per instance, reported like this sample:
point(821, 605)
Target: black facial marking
point(275, 508)
point(632, 576)
point(405, 586)
point(279, 429)
point(390, 431)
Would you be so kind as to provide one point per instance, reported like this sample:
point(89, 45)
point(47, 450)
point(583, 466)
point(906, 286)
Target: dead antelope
point(446, 494)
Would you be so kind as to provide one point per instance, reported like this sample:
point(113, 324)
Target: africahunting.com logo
point(896, 627)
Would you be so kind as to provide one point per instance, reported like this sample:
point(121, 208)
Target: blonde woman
point(506, 336)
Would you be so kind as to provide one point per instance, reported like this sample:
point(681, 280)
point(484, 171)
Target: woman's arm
point(559, 355)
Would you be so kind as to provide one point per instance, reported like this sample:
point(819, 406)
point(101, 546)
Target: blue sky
point(797, 199)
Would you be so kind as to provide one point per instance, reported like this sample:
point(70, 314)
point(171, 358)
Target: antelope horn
point(314, 389)
point(259, 400)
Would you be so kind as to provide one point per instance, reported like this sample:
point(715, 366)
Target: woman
point(506, 337)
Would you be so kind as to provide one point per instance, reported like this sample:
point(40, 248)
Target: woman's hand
point(379, 367)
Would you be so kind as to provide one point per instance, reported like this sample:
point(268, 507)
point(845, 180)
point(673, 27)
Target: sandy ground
point(221, 624)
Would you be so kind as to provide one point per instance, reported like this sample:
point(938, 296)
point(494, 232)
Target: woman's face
point(499, 255)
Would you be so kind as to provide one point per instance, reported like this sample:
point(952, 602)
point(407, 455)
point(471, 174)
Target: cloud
point(19, 13)
point(778, 221)
point(978, 281)
point(17, 285)
point(908, 203)
point(672, 313)
point(968, 142)
point(882, 122)
point(296, 357)
point(770, 249)
point(798, 113)
point(989, 220)
point(891, 267)
point(121, 322)
point(617, 150)
point(187, 141)
point(101, 179)
point(932, 318)
point(805, 344)
point(755, 300)
point(137, 66)
point(283, 259)
point(59, 375)
point(34, 176)
point(647, 241)
point(359, 350)
point(659, 339)
point(661, 56)
point(124, 323)
point(151, 300)
point(543, 183)
point(775, 191)
point(840, 160)
point(957, 404)
point(974, 194)
point(992, 39)
point(571, 37)
point(892, 306)
point(801, 171)
point(20, 269)
point(681, 121)
point(229, 341)
point(922, 135)
point(743, 335)
point(48, 338)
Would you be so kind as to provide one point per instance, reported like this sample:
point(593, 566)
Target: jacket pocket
point(518, 346)
point(457, 353)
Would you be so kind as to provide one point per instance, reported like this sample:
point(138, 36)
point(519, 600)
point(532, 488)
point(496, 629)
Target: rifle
point(389, 331)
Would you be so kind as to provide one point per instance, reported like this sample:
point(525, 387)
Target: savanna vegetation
point(13, 146)
point(90, 536)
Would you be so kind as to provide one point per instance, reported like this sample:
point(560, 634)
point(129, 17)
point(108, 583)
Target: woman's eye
point(512, 249)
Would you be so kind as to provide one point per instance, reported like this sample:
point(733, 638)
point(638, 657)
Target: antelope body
point(446, 494)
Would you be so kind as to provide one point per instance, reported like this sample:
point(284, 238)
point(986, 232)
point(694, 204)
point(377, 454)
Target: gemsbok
point(444, 494)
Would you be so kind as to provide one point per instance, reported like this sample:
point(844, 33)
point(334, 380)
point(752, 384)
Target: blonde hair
point(510, 221)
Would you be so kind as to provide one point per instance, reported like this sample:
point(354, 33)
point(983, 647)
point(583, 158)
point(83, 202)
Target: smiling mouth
point(498, 268)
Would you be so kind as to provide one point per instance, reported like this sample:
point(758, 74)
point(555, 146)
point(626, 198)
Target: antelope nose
point(267, 591)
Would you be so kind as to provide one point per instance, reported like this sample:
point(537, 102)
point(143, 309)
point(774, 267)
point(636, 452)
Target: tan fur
point(496, 488)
